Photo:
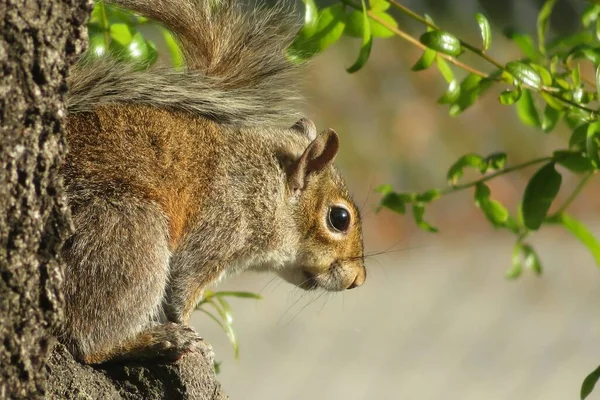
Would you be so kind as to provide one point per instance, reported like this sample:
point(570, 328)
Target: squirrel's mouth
point(310, 281)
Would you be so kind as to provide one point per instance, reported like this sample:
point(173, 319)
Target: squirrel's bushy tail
point(236, 69)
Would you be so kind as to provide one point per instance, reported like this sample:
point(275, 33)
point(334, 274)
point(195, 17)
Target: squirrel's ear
point(306, 127)
point(318, 155)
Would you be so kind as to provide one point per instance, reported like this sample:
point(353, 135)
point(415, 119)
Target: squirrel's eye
point(339, 218)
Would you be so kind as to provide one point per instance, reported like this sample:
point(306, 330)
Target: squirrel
point(178, 177)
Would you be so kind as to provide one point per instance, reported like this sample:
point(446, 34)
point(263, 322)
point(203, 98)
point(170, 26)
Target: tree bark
point(39, 40)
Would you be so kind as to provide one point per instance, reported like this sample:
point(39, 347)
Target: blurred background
point(436, 319)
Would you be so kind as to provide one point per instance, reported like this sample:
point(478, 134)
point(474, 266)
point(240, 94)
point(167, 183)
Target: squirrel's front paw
point(172, 341)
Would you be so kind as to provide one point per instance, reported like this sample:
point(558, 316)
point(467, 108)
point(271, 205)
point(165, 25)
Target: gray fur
point(236, 69)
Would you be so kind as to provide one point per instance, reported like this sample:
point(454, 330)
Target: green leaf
point(510, 96)
point(589, 382)
point(425, 60)
point(367, 42)
point(590, 14)
point(543, 73)
point(516, 268)
point(418, 211)
point(97, 46)
point(174, 50)
point(395, 202)
point(468, 160)
point(550, 118)
point(379, 5)
point(442, 42)
point(228, 329)
point(226, 320)
point(311, 17)
point(526, 110)
point(452, 93)
point(582, 233)
point(486, 31)
point(444, 69)
point(591, 144)
point(524, 74)
point(384, 188)
point(598, 81)
point(380, 31)
point(428, 196)
point(542, 23)
point(355, 24)
point(539, 194)
point(531, 260)
point(493, 210)
point(121, 34)
point(138, 48)
point(573, 161)
point(471, 88)
point(245, 295)
point(552, 102)
point(495, 161)
point(578, 138)
point(331, 24)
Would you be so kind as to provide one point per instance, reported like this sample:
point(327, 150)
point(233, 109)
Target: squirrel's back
point(235, 69)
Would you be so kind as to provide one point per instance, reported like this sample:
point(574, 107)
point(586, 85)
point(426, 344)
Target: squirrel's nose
point(359, 280)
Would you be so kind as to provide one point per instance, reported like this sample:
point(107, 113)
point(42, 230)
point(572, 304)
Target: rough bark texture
point(192, 377)
point(39, 41)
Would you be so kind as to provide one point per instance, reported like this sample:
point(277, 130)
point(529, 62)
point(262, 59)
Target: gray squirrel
point(177, 178)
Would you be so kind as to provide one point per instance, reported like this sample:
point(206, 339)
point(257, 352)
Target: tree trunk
point(39, 40)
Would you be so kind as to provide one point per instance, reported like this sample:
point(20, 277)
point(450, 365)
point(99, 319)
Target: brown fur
point(167, 200)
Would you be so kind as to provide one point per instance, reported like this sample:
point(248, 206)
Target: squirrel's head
point(330, 252)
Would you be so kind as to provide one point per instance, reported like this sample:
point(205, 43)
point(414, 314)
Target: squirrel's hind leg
point(167, 342)
point(117, 267)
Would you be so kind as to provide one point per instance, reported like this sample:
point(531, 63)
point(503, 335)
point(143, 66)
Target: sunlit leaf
point(174, 50)
point(592, 143)
point(486, 31)
point(452, 93)
point(524, 74)
point(379, 5)
point(495, 161)
point(526, 110)
point(542, 23)
point(245, 295)
point(471, 88)
point(531, 260)
point(442, 42)
point(444, 69)
point(550, 118)
point(379, 30)
point(516, 267)
point(425, 61)
point(578, 138)
point(510, 96)
point(493, 210)
point(456, 170)
point(582, 233)
point(428, 196)
point(367, 42)
point(331, 24)
point(418, 211)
